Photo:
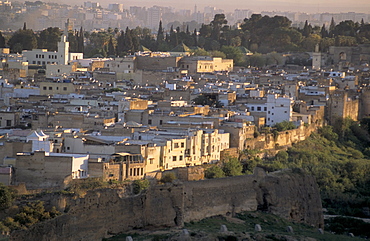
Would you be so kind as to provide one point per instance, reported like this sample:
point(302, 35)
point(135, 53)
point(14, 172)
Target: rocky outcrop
point(292, 195)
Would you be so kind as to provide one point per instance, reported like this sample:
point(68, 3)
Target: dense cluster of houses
point(67, 117)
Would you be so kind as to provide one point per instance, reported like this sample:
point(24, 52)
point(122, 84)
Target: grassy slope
point(242, 227)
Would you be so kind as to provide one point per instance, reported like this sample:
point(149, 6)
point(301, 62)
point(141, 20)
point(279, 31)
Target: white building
point(44, 57)
point(40, 141)
point(279, 109)
point(275, 109)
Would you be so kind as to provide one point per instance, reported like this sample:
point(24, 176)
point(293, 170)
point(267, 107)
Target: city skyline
point(315, 6)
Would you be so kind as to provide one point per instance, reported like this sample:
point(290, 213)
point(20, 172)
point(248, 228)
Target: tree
point(346, 28)
point(22, 40)
point(233, 53)
point(217, 53)
point(7, 197)
point(2, 40)
point(284, 125)
point(205, 30)
point(214, 172)
point(49, 38)
point(324, 32)
point(310, 42)
point(160, 35)
point(120, 43)
point(307, 29)
point(257, 60)
point(233, 167)
point(200, 52)
point(218, 21)
point(331, 28)
point(111, 49)
point(81, 42)
point(128, 46)
point(274, 58)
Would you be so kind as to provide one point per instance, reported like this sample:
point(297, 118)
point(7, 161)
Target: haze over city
point(334, 6)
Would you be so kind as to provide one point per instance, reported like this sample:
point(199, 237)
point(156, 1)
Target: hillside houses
point(129, 118)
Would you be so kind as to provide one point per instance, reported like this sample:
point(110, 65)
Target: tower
point(63, 46)
point(316, 59)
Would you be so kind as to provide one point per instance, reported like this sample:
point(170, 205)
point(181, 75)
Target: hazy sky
point(309, 6)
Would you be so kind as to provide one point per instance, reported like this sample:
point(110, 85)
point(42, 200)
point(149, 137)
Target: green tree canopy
point(7, 197)
point(49, 38)
point(22, 40)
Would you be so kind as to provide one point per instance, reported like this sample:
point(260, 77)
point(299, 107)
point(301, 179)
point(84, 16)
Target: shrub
point(7, 197)
point(139, 185)
point(168, 177)
point(284, 126)
point(214, 172)
point(232, 168)
point(83, 185)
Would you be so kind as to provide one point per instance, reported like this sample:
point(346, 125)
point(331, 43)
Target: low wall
point(292, 195)
point(283, 140)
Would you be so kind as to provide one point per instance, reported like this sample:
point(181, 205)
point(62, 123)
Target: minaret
point(63, 47)
point(316, 59)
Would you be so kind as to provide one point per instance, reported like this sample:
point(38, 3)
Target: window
point(68, 148)
point(149, 122)
point(176, 145)
point(129, 66)
point(252, 108)
point(182, 144)
point(258, 108)
point(174, 158)
point(180, 158)
point(265, 108)
point(8, 122)
point(44, 88)
point(65, 88)
point(33, 62)
point(50, 88)
point(160, 122)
